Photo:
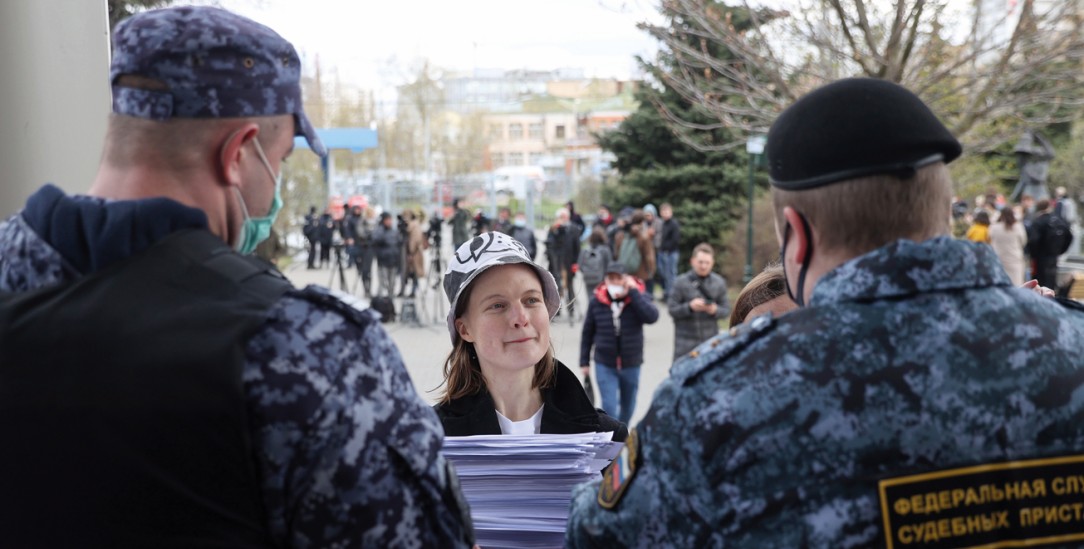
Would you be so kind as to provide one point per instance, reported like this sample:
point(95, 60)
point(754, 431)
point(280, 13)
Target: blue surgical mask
point(256, 230)
point(520, 222)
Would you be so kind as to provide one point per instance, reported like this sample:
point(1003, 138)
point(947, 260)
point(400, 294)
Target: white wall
point(54, 62)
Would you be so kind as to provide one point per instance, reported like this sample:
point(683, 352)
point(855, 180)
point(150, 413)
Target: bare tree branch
point(987, 74)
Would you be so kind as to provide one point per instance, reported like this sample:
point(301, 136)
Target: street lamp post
point(755, 147)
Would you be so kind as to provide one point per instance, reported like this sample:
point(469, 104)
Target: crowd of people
point(884, 384)
point(1028, 237)
point(361, 238)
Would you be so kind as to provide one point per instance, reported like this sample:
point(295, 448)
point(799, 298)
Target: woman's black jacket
point(566, 410)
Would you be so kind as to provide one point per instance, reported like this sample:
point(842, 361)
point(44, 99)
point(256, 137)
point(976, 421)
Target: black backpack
point(1059, 236)
point(385, 306)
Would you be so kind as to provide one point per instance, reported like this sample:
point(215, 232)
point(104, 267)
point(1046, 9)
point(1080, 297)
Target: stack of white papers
point(519, 487)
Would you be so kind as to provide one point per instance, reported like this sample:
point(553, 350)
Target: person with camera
point(348, 228)
point(460, 223)
point(387, 242)
point(697, 301)
point(309, 230)
point(366, 252)
point(325, 234)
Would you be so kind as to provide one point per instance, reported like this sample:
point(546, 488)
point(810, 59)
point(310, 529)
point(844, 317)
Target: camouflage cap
point(490, 250)
point(215, 64)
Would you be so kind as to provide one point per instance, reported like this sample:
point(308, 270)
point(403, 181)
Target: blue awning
point(351, 139)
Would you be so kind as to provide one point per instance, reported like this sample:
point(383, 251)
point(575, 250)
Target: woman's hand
point(1034, 286)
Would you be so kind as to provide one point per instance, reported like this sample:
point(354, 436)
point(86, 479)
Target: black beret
point(855, 128)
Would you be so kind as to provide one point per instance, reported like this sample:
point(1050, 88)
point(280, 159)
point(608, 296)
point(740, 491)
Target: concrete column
point(54, 58)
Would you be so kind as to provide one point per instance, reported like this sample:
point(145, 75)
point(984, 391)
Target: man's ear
point(799, 243)
point(232, 151)
point(461, 329)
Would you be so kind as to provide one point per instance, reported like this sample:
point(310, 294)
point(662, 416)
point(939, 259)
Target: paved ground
point(424, 347)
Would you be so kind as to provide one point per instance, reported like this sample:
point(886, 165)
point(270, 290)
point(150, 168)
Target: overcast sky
point(360, 38)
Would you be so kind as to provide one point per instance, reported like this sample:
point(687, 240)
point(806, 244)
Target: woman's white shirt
point(529, 426)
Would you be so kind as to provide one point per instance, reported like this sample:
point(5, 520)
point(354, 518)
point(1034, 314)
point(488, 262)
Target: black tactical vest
point(122, 418)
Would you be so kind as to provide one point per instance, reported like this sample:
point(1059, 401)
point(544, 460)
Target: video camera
point(434, 231)
point(402, 224)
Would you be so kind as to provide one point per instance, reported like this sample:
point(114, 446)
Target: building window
point(560, 132)
point(515, 131)
point(495, 131)
point(534, 131)
point(515, 159)
point(534, 159)
point(498, 160)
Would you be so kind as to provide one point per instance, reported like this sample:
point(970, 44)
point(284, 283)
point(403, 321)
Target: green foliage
point(979, 174)
point(707, 189)
point(1068, 165)
point(765, 244)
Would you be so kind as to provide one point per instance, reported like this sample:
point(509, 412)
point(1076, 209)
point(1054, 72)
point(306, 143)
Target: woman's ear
point(461, 329)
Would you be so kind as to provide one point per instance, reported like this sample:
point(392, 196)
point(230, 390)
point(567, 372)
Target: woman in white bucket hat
point(501, 376)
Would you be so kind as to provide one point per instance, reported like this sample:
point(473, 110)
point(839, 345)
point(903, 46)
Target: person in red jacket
point(614, 326)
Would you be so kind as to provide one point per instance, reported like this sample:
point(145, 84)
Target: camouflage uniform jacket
point(348, 453)
point(913, 358)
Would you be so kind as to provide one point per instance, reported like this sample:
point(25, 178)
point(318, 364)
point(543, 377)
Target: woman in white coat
point(1008, 239)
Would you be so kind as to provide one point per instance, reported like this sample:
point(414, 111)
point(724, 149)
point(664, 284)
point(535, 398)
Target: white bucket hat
point(482, 252)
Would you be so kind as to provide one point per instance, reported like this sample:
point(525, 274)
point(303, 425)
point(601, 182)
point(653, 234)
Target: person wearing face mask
point(501, 376)
point(614, 327)
point(524, 235)
point(504, 220)
point(179, 392)
point(914, 391)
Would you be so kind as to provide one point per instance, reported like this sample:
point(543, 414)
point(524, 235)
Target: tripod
point(432, 283)
point(568, 297)
point(338, 267)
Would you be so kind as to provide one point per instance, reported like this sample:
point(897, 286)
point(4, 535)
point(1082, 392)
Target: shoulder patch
point(720, 347)
point(348, 306)
point(617, 477)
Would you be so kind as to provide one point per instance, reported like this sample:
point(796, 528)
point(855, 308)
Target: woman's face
point(506, 319)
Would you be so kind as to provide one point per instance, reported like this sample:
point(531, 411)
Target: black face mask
point(799, 296)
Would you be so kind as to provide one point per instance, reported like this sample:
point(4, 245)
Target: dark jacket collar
point(566, 411)
point(91, 233)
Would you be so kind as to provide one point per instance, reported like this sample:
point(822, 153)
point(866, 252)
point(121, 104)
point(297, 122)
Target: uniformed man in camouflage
point(158, 388)
point(917, 399)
